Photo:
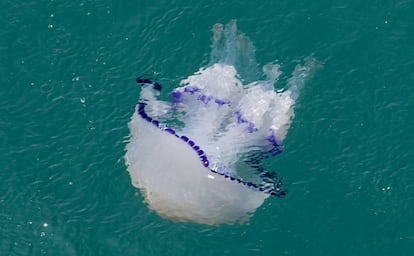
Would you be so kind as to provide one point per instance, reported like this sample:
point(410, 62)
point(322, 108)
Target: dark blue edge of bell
point(140, 109)
point(277, 185)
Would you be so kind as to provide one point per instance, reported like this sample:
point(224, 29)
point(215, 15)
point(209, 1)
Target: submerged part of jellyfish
point(197, 158)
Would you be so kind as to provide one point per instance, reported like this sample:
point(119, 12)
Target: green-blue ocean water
point(67, 71)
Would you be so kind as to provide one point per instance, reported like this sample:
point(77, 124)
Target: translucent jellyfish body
point(189, 156)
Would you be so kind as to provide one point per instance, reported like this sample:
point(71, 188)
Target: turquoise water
point(67, 72)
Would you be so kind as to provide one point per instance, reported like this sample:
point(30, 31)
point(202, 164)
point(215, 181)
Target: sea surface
point(67, 93)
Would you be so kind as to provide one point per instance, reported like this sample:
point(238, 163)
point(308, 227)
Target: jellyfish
point(198, 156)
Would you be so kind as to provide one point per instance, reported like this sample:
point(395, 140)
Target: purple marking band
point(274, 190)
point(240, 120)
point(191, 90)
point(206, 99)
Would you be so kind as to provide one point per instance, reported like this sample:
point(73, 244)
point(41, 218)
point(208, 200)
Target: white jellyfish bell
point(190, 157)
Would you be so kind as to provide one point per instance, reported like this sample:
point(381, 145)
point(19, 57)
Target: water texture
point(67, 73)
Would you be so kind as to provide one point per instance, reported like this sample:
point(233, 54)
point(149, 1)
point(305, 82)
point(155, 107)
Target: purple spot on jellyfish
point(176, 95)
point(240, 119)
point(272, 139)
point(191, 89)
point(169, 130)
point(184, 138)
point(204, 98)
point(141, 107)
point(251, 128)
point(143, 115)
point(205, 163)
point(221, 102)
point(155, 122)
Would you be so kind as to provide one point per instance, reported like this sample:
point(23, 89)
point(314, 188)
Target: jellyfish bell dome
point(176, 184)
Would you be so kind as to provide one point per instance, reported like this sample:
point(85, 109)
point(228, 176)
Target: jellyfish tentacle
point(147, 81)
